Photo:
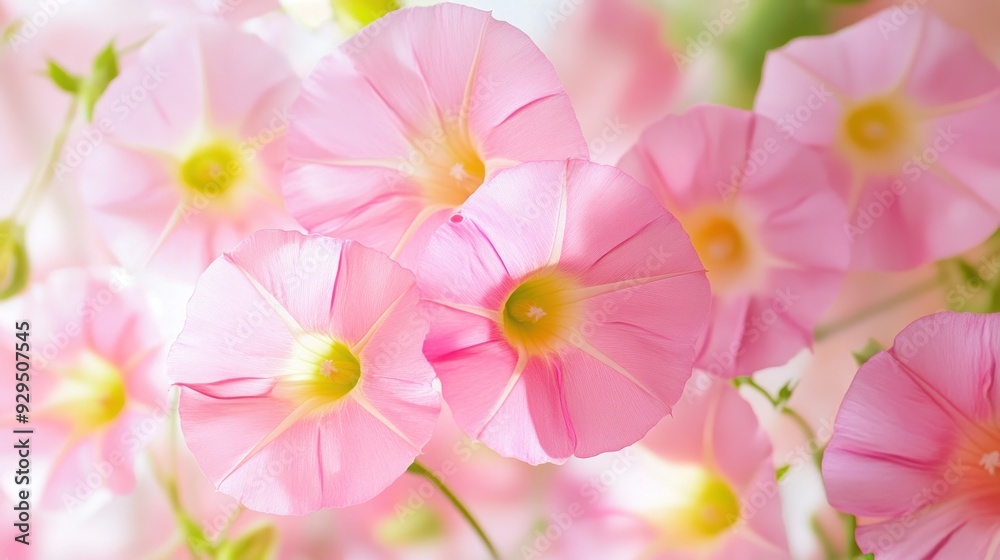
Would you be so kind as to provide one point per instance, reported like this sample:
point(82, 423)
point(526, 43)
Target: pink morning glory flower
point(96, 382)
point(186, 148)
point(394, 131)
point(303, 382)
point(564, 305)
point(712, 493)
point(904, 108)
point(915, 452)
point(765, 221)
point(700, 486)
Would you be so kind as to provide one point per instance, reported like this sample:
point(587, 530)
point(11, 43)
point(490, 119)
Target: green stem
point(801, 422)
point(752, 383)
point(195, 541)
point(224, 533)
point(829, 550)
point(850, 526)
point(826, 331)
point(43, 176)
point(811, 438)
point(184, 520)
point(420, 470)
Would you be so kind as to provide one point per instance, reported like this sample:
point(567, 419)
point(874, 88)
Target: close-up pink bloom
point(303, 382)
point(187, 146)
point(394, 131)
point(904, 107)
point(563, 320)
point(377, 279)
point(95, 382)
point(765, 222)
point(915, 452)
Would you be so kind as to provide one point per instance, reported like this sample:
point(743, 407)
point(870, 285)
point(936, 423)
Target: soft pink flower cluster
point(421, 220)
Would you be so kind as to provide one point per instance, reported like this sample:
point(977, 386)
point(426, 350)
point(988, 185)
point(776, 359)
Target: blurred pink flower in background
point(96, 382)
point(190, 148)
point(154, 529)
point(700, 486)
point(765, 222)
point(563, 320)
point(916, 445)
point(234, 11)
point(302, 355)
point(613, 60)
point(428, 103)
point(903, 106)
point(723, 467)
point(976, 17)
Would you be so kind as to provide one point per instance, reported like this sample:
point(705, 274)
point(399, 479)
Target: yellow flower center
point(697, 505)
point(541, 312)
point(328, 372)
point(362, 12)
point(92, 393)
point(714, 509)
point(212, 169)
point(878, 135)
point(452, 169)
point(722, 244)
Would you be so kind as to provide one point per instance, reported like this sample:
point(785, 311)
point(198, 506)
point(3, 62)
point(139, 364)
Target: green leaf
point(994, 305)
point(966, 271)
point(63, 79)
point(784, 393)
point(193, 533)
point(197, 541)
point(15, 268)
point(103, 70)
point(866, 353)
point(994, 240)
point(972, 287)
point(764, 25)
point(781, 472)
point(256, 544)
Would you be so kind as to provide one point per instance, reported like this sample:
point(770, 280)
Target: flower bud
point(14, 265)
